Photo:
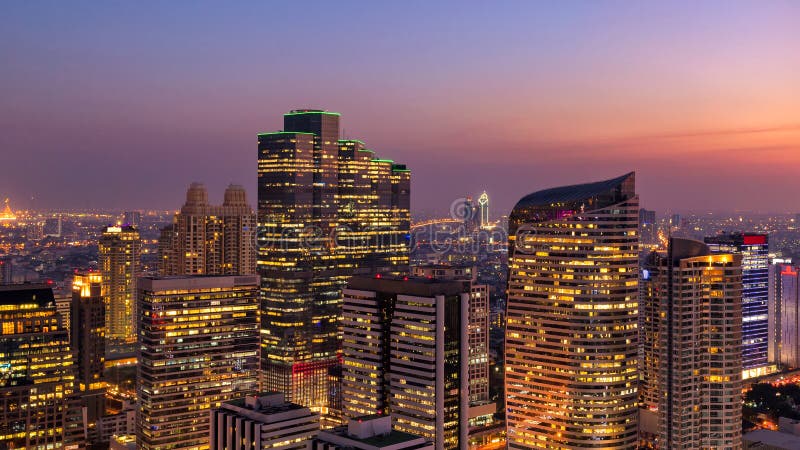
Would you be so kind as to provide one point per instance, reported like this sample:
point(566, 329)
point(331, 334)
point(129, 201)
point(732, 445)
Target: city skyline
point(686, 95)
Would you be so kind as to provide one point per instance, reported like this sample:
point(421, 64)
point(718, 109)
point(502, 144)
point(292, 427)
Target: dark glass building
point(754, 248)
point(88, 338)
point(571, 322)
point(37, 374)
point(327, 209)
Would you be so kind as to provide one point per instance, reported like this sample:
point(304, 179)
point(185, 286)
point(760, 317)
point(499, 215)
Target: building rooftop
point(768, 439)
point(420, 286)
point(26, 294)
point(574, 192)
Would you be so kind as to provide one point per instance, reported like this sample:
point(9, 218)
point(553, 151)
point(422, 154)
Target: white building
point(263, 421)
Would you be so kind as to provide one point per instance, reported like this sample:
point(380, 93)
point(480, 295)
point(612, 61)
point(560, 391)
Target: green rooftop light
point(297, 113)
point(284, 132)
point(352, 140)
point(383, 160)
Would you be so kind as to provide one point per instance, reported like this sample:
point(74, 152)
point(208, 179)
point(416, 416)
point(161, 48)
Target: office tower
point(478, 325)
point(132, 218)
point(776, 267)
point(198, 347)
point(36, 370)
point(87, 315)
point(785, 316)
point(52, 227)
point(120, 251)
point(483, 204)
point(754, 249)
point(261, 422)
point(327, 208)
point(483, 427)
point(406, 350)
point(695, 381)
point(648, 229)
point(369, 433)
point(571, 324)
point(207, 239)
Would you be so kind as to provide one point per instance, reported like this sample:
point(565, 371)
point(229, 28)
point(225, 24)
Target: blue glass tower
point(754, 248)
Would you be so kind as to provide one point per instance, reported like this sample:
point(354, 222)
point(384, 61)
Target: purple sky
point(123, 104)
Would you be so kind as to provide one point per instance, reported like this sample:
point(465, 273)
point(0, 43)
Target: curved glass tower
point(571, 337)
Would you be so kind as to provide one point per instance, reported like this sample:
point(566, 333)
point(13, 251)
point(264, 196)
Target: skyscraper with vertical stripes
point(571, 333)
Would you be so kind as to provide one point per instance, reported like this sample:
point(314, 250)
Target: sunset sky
point(123, 104)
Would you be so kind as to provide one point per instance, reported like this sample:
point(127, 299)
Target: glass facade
point(327, 209)
point(571, 332)
point(37, 373)
point(754, 249)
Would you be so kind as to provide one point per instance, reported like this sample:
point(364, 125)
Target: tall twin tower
point(327, 209)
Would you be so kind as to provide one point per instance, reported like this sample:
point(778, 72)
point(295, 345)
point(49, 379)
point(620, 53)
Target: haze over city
point(701, 100)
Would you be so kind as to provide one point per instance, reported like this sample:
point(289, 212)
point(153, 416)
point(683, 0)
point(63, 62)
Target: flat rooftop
point(418, 286)
point(772, 439)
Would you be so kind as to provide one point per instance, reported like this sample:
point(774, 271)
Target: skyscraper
point(785, 316)
point(327, 208)
point(198, 347)
point(406, 353)
point(754, 248)
point(87, 313)
point(478, 324)
point(37, 374)
point(208, 239)
point(693, 378)
point(571, 332)
point(120, 264)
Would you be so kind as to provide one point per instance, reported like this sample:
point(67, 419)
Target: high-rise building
point(785, 315)
point(571, 324)
point(483, 427)
point(198, 347)
point(327, 208)
point(52, 227)
point(754, 248)
point(37, 375)
point(261, 422)
point(120, 251)
point(477, 328)
point(373, 432)
point(132, 218)
point(692, 378)
point(87, 315)
point(483, 204)
point(406, 350)
point(207, 239)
